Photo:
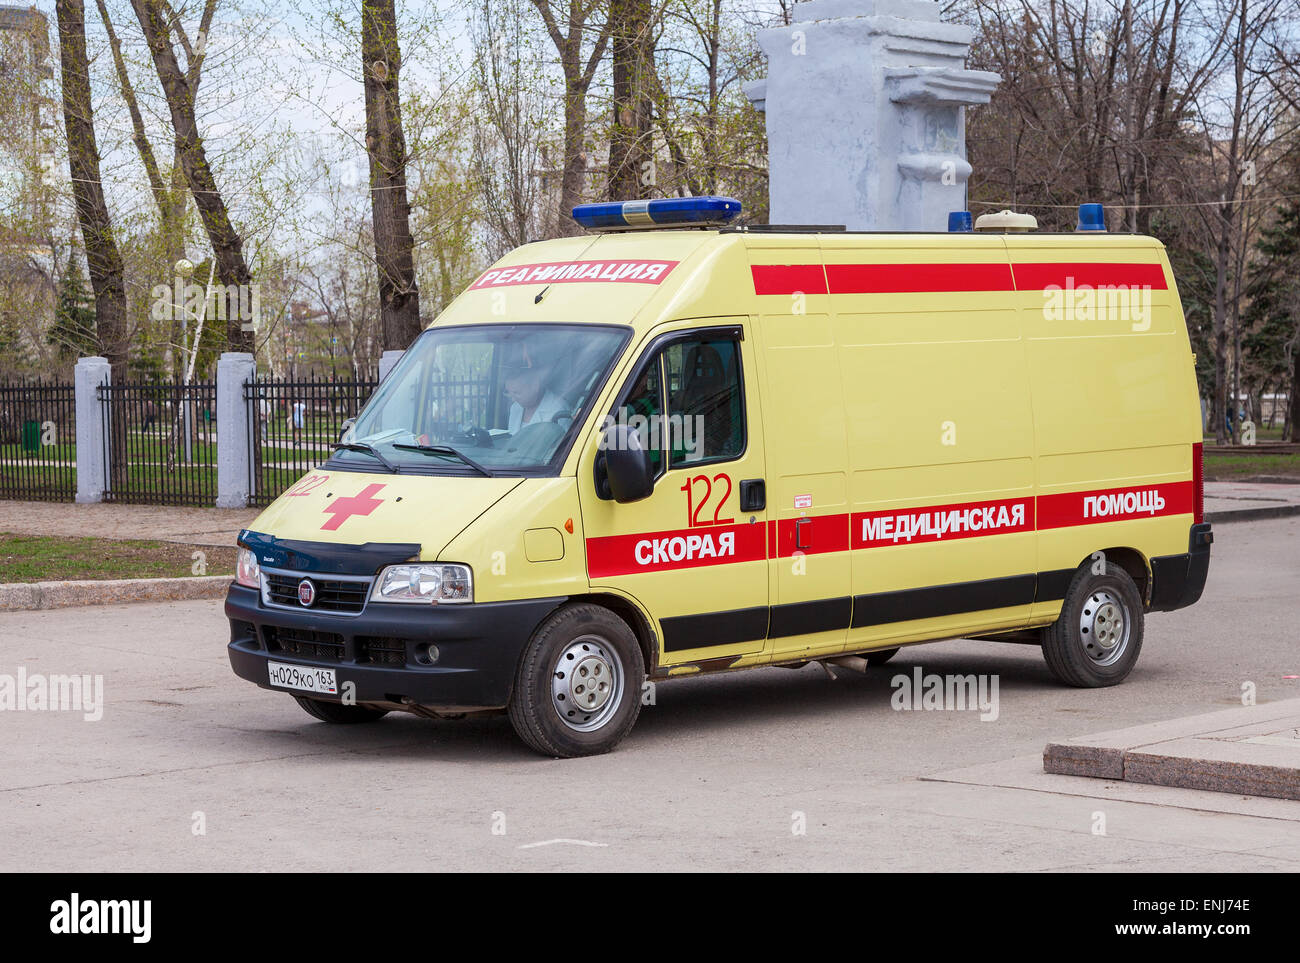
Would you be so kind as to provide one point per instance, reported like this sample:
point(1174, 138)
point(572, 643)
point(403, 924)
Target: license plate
point(308, 678)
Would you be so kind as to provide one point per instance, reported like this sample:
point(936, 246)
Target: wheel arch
point(1131, 561)
point(637, 620)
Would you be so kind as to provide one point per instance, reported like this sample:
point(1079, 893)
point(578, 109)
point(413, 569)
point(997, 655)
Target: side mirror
point(623, 470)
point(345, 428)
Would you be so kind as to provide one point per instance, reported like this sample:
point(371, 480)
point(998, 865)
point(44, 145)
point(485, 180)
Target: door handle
point(753, 495)
point(802, 526)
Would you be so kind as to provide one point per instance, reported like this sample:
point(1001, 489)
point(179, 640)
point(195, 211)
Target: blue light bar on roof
point(661, 212)
point(1092, 217)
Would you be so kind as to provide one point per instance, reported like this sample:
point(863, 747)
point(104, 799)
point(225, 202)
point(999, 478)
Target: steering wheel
point(472, 436)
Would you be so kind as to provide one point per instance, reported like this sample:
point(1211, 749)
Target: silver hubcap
point(587, 683)
point(1104, 627)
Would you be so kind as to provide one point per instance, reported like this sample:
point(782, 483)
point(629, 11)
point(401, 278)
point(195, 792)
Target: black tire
point(880, 656)
point(586, 639)
point(338, 713)
point(1086, 647)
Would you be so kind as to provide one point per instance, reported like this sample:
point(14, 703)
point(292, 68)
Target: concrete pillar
point(865, 106)
point(386, 362)
point(235, 430)
point(92, 455)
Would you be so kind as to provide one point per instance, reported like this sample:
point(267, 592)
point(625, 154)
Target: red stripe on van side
point(609, 555)
point(819, 534)
point(1037, 276)
point(686, 548)
point(1114, 504)
point(788, 278)
point(936, 522)
point(917, 278)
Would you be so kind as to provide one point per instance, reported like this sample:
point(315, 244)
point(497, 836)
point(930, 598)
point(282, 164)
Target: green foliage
point(1272, 321)
point(73, 331)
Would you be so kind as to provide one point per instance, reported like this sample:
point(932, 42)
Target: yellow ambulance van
point(673, 446)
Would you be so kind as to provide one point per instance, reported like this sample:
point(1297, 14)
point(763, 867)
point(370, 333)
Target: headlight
point(425, 582)
point(247, 571)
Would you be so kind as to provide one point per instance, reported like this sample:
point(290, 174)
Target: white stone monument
point(865, 103)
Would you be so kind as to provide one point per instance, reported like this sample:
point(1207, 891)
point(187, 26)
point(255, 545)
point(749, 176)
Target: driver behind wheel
point(527, 375)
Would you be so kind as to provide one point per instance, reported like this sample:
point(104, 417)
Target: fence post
point(234, 441)
point(92, 449)
point(386, 362)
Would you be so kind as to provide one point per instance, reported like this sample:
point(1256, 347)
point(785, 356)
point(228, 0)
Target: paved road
point(713, 777)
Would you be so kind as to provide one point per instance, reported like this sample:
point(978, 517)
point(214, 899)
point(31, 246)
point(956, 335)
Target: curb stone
point(1252, 514)
point(27, 596)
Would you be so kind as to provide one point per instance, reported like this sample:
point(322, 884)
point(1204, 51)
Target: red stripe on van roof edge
point(788, 278)
point(1037, 276)
point(949, 278)
point(917, 278)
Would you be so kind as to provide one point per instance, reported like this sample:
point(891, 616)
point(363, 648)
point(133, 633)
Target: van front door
point(693, 553)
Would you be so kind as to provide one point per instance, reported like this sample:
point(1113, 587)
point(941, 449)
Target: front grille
point(332, 595)
point(381, 650)
point(304, 642)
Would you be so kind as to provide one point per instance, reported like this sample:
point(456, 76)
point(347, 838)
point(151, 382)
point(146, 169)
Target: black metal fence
point(38, 441)
point(293, 424)
point(161, 441)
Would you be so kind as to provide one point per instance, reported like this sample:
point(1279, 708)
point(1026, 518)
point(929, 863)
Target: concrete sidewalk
point(193, 526)
point(1242, 501)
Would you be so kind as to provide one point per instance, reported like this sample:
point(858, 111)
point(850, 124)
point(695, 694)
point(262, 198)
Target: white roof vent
point(1006, 221)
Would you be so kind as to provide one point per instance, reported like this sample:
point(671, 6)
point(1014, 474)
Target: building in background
point(33, 235)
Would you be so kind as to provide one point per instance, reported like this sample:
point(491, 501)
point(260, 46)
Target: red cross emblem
point(363, 503)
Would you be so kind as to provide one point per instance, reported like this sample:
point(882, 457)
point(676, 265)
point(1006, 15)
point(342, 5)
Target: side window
point(706, 411)
point(644, 410)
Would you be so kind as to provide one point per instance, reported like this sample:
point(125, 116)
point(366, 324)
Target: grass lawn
point(1236, 467)
point(45, 558)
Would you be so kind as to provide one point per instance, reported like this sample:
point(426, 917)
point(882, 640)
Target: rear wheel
point(338, 713)
point(578, 689)
point(1097, 638)
point(880, 656)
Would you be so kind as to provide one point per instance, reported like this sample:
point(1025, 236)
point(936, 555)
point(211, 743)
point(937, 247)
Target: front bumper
point(1177, 581)
point(479, 645)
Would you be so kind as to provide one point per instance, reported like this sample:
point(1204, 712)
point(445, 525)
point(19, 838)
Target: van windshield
point(484, 398)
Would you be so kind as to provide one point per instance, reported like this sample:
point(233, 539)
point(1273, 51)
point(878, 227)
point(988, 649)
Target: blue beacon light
point(959, 222)
point(660, 212)
point(1092, 217)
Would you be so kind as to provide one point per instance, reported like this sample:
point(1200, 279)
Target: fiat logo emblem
point(306, 592)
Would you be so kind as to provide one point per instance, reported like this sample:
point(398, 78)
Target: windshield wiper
point(366, 450)
point(448, 450)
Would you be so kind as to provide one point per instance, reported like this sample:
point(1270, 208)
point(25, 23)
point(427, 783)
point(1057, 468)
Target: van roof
point(641, 278)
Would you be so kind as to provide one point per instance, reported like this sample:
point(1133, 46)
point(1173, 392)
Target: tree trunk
point(1221, 335)
point(631, 170)
point(227, 245)
point(171, 202)
point(573, 180)
point(1291, 428)
point(103, 259)
point(381, 61)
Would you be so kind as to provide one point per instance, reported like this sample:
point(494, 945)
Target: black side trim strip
point(936, 600)
point(932, 601)
point(802, 618)
point(1053, 585)
point(714, 628)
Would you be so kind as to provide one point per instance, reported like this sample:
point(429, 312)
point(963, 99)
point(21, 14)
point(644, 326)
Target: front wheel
point(578, 689)
point(1096, 640)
